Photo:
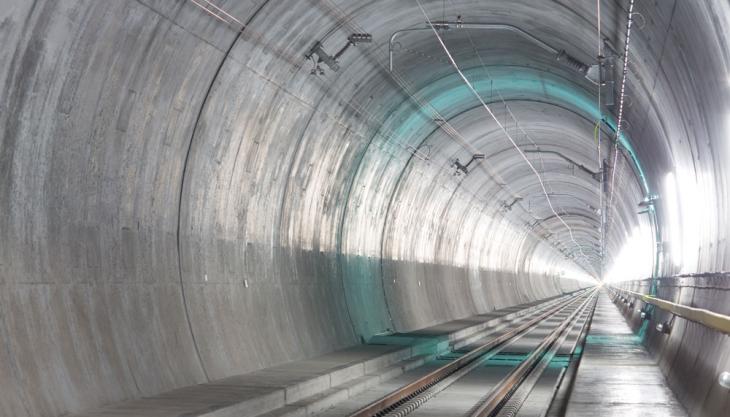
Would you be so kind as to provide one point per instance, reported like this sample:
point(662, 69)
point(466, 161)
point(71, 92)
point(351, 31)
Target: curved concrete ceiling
point(182, 201)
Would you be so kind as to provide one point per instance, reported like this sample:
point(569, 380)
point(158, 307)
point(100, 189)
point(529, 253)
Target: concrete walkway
point(310, 385)
point(617, 377)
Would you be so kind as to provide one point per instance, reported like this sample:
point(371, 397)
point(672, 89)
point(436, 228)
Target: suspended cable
point(218, 13)
point(222, 15)
point(599, 138)
point(501, 126)
point(512, 115)
point(388, 135)
point(423, 105)
point(622, 96)
point(428, 108)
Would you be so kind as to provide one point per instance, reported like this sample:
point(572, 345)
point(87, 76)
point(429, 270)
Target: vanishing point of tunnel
point(359, 208)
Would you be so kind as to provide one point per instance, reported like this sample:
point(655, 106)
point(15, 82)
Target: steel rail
point(566, 381)
point(515, 402)
point(397, 397)
point(414, 402)
point(500, 394)
point(707, 318)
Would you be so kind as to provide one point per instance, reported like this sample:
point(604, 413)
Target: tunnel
point(311, 207)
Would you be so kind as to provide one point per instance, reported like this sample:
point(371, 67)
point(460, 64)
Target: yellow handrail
point(704, 317)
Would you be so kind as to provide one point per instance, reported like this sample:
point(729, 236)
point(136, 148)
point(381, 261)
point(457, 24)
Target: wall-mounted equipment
point(572, 62)
point(318, 55)
point(664, 327)
point(647, 204)
point(464, 168)
point(603, 73)
point(724, 379)
point(505, 207)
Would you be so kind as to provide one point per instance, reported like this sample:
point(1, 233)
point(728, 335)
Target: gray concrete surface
point(630, 380)
point(311, 385)
point(691, 356)
point(464, 394)
point(181, 201)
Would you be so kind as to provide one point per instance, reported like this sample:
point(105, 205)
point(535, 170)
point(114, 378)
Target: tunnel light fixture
point(664, 327)
point(724, 379)
point(645, 315)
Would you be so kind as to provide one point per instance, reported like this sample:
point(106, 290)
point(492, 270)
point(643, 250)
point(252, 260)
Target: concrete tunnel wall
point(691, 356)
point(181, 201)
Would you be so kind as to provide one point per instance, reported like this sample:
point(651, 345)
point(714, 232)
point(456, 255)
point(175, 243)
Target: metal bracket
point(465, 167)
point(331, 60)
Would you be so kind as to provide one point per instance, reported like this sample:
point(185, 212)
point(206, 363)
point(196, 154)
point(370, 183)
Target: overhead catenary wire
point(514, 118)
point(518, 126)
point(424, 105)
point(229, 19)
point(218, 13)
point(435, 115)
point(501, 126)
point(450, 128)
point(599, 138)
point(381, 131)
point(447, 127)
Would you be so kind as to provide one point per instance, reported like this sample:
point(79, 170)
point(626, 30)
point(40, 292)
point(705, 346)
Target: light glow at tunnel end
point(473, 90)
point(635, 258)
point(444, 94)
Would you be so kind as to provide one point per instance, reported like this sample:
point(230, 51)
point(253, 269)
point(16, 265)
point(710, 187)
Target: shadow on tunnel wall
point(165, 192)
point(409, 295)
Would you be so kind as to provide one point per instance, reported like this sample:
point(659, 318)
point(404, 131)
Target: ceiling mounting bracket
point(464, 168)
point(322, 57)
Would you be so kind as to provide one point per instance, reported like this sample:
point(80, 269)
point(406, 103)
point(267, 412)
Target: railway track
point(507, 396)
